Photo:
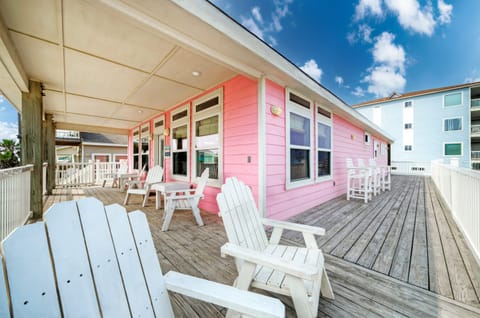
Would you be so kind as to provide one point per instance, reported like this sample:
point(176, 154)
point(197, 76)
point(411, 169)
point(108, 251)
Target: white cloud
point(3, 108)
point(412, 17)
point(365, 7)
point(311, 68)
point(473, 77)
point(265, 29)
point(359, 91)
point(362, 34)
point(445, 12)
point(339, 80)
point(257, 15)
point(383, 81)
point(386, 52)
point(250, 24)
point(8, 130)
point(387, 75)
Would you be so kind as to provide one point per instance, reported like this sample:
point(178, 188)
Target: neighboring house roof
point(397, 96)
point(103, 139)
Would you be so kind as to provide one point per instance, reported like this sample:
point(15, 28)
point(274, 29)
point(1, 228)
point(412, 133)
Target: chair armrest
point(242, 301)
point(294, 226)
point(182, 196)
point(304, 271)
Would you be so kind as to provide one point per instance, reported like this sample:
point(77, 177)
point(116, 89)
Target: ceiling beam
point(10, 59)
point(89, 128)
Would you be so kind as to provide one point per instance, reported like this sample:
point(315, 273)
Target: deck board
point(362, 248)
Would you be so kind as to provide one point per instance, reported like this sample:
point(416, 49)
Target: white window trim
point(300, 110)
point(369, 142)
point(210, 112)
point(327, 121)
point(139, 149)
point(452, 142)
point(452, 106)
point(159, 130)
point(141, 153)
point(178, 123)
point(456, 117)
point(101, 154)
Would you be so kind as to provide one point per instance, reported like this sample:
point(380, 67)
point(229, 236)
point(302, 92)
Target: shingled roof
point(120, 140)
point(397, 96)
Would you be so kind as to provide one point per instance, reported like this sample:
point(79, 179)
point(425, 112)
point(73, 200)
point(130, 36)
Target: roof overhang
point(109, 65)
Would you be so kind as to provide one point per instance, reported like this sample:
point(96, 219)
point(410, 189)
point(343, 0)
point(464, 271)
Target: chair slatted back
point(123, 168)
point(154, 175)
point(240, 215)
point(101, 262)
point(361, 163)
point(202, 183)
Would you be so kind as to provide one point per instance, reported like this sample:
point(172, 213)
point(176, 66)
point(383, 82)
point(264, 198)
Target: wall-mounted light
point(276, 110)
point(352, 136)
point(166, 132)
point(196, 73)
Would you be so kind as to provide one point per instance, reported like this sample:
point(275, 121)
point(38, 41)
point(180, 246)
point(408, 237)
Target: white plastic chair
point(187, 199)
point(385, 175)
point(154, 176)
point(375, 174)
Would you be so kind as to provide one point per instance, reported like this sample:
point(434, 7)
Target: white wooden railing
point(411, 168)
point(82, 174)
point(460, 189)
point(14, 198)
point(44, 178)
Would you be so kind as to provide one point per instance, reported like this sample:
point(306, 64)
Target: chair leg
point(326, 289)
point(145, 199)
point(298, 292)
point(125, 202)
point(196, 212)
point(167, 217)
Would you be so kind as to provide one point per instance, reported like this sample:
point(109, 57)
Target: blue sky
point(365, 49)
point(361, 49)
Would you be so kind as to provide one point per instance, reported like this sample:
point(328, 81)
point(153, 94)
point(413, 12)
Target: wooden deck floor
point(400, 255)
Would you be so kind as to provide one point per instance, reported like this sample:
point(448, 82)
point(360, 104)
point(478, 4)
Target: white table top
point(170, 186)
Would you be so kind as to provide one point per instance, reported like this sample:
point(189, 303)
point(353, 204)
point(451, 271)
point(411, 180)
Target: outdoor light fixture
point(276, 110)
point(166, 132)
point(139, 112)
point(196, 73)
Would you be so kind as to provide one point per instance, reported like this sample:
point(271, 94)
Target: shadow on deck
point(401, 255)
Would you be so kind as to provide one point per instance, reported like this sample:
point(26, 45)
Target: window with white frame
point(383, 149)
point(408, 126)
point(299, 140)
point(136, 148)
point(452, 100)
point(324, 144)
point(207, 121)
point(159, 141)
point(408, 104)
point(145, 145)
point(366, 138)
point(452, 124)
point(408, 147)
point(453, 149)
point(180, 143)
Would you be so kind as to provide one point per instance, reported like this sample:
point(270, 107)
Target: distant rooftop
point(397, 96)
point(87, 137)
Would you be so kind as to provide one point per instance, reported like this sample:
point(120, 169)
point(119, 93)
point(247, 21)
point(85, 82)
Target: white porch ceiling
point(102, 70)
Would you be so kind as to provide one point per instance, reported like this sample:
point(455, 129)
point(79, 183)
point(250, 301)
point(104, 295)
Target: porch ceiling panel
point(102, 35)
point(180, 66)
point(105, 109)
point(160, 93)
point(50, 70)
point(54, 102)
point(80, 119)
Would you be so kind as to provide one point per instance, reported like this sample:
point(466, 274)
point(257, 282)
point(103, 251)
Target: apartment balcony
point(475, 104)
point(67, 137)
point(475, 131)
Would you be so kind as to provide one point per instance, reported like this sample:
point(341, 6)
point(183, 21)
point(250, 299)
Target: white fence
point(14, 198)
point(82, 174)
point(411, 168)
point(460, 188)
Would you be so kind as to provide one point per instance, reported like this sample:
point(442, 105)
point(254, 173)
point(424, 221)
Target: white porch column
point(262, 143)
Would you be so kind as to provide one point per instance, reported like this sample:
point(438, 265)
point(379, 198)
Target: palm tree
point(9, 150)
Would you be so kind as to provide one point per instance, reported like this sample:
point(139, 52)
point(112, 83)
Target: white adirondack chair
point(122, 170)
point(154, 176)
point(288, 270)
point(358, 182)
point(132, 177)
point(87, 260)
point(187, 199)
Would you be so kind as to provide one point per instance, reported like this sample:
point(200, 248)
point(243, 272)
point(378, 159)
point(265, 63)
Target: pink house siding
point(240, 131)
point(348, 142)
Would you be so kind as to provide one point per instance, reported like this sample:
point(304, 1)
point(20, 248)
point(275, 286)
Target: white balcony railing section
point(460, 189)
point(475, 130)
point(82, 174)
point(411, 168)
point(14, 198)
point(67, 134)
point(475, 102)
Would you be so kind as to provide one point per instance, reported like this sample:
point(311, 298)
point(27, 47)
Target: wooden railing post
point(50, 152)
point(32, 142)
